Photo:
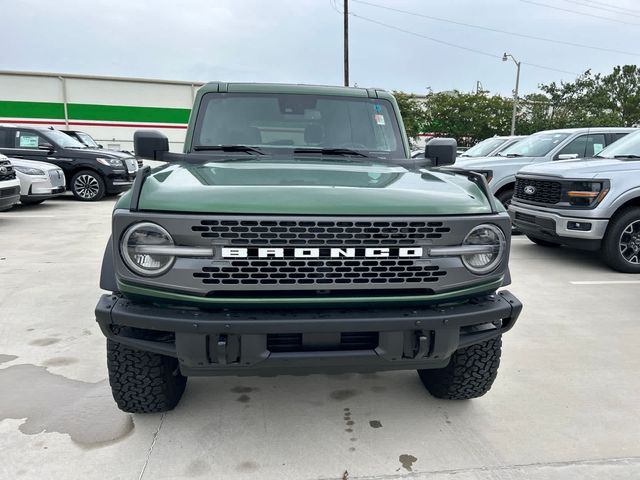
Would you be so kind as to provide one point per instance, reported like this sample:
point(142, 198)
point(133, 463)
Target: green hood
point(309, 187)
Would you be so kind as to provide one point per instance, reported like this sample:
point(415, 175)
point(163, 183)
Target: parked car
point(90, 173)
point(541, 147)
point(39, 181)
point(9, 185)
point(491, 146)
point(592, 203)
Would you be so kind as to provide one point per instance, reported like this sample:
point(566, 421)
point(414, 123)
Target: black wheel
point(542, 243)
point(621, 244)
point(143, 382)
point(31, 202)
point(505, 198)
point(87, 186)
point(469, 374)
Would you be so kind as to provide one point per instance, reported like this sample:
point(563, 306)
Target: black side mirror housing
point(441, 151)
point(150, 144)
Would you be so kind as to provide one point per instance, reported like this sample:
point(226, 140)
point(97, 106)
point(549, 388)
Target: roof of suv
point(299, 89)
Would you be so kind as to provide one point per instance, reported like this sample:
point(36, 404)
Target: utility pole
point(505, 57)
point(346, 43)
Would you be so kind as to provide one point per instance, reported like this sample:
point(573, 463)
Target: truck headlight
point(490, 237)
point(586, 194)
point(110, 162)
point(141, 248)
point(28, 170)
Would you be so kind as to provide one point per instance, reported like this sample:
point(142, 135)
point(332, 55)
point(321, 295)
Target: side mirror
point(441, 151)
point(100, 146)
point(568, 156)
point(150, 144)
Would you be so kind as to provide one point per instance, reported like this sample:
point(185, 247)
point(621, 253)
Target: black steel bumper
point(306, 341)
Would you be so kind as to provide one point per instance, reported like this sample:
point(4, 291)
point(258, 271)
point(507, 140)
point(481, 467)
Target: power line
point(613, 6)
point(584, 14)
point(605, 8)
point(454, 45)
point(496, 30)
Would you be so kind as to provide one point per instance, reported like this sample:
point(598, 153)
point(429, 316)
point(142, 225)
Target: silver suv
point(490, 147)
point(590, 203)
point(540, 147)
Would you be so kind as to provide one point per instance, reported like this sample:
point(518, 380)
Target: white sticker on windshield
point(379, 118)
point(29, 141)
point(597, 148)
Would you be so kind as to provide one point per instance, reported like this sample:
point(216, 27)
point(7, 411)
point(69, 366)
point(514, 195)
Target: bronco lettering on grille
point(404, 252)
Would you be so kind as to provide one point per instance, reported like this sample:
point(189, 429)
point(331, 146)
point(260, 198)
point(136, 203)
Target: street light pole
point(346, 43)
point(505, 57)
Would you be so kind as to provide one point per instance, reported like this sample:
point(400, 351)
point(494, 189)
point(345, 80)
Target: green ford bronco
point(295, 235)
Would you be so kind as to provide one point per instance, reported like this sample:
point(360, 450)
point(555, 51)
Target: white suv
point(38, 180)
point(9, 185)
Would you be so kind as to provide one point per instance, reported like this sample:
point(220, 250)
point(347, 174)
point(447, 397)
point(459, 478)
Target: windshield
point(537, 145)
point(87, 140)
point(628, 145)
point(277, 123)
point(62, 139)
point(484, 148)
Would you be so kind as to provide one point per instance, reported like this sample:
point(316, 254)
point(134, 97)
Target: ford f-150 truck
point(593, 203)
point(294, 236)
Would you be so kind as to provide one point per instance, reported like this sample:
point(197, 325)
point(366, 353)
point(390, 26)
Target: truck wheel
point(505, 198)
point(87, 186)
point(621, 245)
point(542, 243)
point(143, 382)
point(470, 373)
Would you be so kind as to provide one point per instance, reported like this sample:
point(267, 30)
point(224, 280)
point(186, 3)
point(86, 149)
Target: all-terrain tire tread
point(470, 373)
point(143, 382)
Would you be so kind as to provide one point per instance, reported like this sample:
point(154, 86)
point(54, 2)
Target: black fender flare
point(108, 272)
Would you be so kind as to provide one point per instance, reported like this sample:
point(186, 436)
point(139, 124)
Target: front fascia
point(184, 281)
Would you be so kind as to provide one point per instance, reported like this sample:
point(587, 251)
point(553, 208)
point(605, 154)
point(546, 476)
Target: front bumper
point(9, 194)
point(537, 221)
point(43, 193)
point(250, 342)
point(119, 182)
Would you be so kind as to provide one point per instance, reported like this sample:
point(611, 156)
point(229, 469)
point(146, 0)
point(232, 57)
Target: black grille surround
point(324, 233)
point(548, 192)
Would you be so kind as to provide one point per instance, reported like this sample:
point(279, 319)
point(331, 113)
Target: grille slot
point(9, 192)
point(57, 178)
point(324, 233)
point(293, 342)
point(320, 272)
point(546, 191)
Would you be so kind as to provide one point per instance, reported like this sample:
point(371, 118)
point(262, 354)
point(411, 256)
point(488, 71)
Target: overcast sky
point(301, 40)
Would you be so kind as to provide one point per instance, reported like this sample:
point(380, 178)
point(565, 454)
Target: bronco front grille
point(325, 233)
point(543, 191)
point(394, 272)
point(294, 342)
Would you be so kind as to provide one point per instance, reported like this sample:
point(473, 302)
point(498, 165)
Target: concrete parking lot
point(565, 405)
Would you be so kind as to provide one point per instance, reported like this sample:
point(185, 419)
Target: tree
point(413, 113)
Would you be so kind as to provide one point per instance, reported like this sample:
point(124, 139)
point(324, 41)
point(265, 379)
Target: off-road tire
point(505, 197)
point(87, 186)
point(542, 243)
point(143, 382)
point(469, 374)
point(611, 243)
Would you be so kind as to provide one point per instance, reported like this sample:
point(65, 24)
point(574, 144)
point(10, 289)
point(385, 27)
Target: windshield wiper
point(631, 155)
point(331, 151)
point(228, 148)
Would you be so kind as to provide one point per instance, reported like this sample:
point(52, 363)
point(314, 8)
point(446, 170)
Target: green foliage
point(588, 101)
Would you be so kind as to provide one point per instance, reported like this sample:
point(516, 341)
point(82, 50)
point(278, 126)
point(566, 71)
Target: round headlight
point(141, 246)
point(489, 236)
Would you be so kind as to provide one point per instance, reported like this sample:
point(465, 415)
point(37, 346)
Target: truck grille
point(8, 173)
point(57, 178)
point(394, 272)
point(324, 233)
point(545, 191)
